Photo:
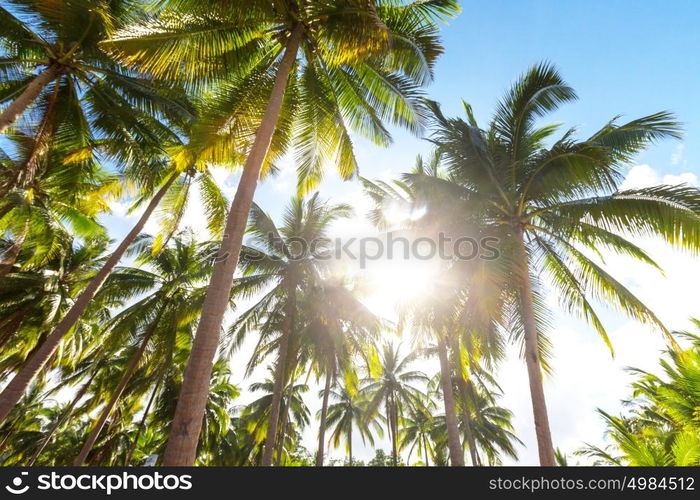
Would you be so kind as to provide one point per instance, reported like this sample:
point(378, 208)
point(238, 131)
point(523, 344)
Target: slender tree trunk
point(64, 416)
point(324, 415)
point(464, 393)
point(453, 443)
point(466, 418)
point(280, 375)
point(425, 451)
point(19, 384)
point(532, 359)
point(389, 427)
point(27, 173)
point(282, 435)
point(142, 424)
point(187, 424)
point(394, 432)
point(19, 105)
point(107, 410)
point(350, 445)
point(3, 443)
point(9, 257)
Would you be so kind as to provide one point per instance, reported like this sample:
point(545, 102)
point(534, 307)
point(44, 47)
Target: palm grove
point(118, 352)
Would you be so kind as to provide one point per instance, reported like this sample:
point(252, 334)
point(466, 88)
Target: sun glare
point(393, 283)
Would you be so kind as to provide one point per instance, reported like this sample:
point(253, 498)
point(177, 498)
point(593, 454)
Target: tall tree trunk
point(394, 432)
point(19, 105)
point(107, 410)
point(464, 393)
point(532, 358)
point(64, 416)
point(453, 442)
point(425, 451)
point(324, 416)
point(27, 173)
point(280, 375)
point(389, 425)
point(19, 384)
point(187, 423)
point(282, 435)
point(9, 256)
point(3, 443)
point(142, 424)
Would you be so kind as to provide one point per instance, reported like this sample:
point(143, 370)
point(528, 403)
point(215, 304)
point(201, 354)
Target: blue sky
point(622, 57)
point(627, 58)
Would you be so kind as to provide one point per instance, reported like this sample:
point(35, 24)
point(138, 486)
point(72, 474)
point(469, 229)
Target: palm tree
point(270, 262)
point(348, 64)
point(418, 428)
point(393, 388)
point(50, 209)
point(79, 92)
point(490, 424)
point(170, 287)
point(337, 330)
point(662, 428)
point(347, 411)
point(171, 176)
point(464, 307)
point(32, 299)
point(13, 392)
point(549, 202)
point(291, 404)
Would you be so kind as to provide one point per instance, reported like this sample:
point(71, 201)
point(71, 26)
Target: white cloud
point(678, 154)
point(641, 176)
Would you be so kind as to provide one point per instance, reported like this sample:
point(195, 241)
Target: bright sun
point(391, 283)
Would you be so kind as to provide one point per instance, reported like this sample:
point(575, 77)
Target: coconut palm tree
point(395, 390)
point(341, 65)
point(272, 264)
point(549, 202)
point(418, 427)
point(337, 330)
point(490, 424)
point(662, 428)
point(32, 299)
point(348, 411)
point(51, 63)
point(50, 210)
point(170, 287)
point(167, 178)
point(292, 405)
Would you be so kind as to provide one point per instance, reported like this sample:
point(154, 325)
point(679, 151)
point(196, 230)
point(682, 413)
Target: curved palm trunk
point(27, 97)
point(453, 443)
point(532, 359)
point(282, 435)
point(187, 424)
point(19, 384)
point(57, 425)
point(9, 257)
point(425, 451)
point(280, 378)
point(26, 175)
point(142, 424)
point(466, 418)
point(394, 432)
point(324, 415)
point(107, 410)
